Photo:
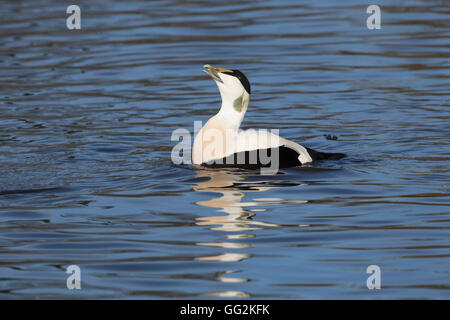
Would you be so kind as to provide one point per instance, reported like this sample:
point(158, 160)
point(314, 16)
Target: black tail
point(316, 155)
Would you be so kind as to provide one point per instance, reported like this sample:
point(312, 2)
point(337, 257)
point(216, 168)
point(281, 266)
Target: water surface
point(86, 178)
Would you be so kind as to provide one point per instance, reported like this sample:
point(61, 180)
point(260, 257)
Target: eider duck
point(220, 142)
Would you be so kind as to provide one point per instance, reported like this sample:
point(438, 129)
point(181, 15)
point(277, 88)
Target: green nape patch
point(237, 104)
point(240, 103)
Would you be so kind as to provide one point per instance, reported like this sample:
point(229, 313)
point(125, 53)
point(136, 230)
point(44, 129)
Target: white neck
point(229, 113)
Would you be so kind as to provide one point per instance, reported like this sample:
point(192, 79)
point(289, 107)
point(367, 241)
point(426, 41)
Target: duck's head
point(233, 85)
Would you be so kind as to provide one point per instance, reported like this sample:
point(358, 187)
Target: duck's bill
point(214, 72)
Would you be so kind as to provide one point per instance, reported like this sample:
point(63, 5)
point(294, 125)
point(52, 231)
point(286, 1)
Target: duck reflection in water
point(232, 187)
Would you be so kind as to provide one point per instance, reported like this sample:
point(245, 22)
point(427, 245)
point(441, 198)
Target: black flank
point(288, 158)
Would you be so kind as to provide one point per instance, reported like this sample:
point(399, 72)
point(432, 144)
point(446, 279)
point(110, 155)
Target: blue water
point(86, 176)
